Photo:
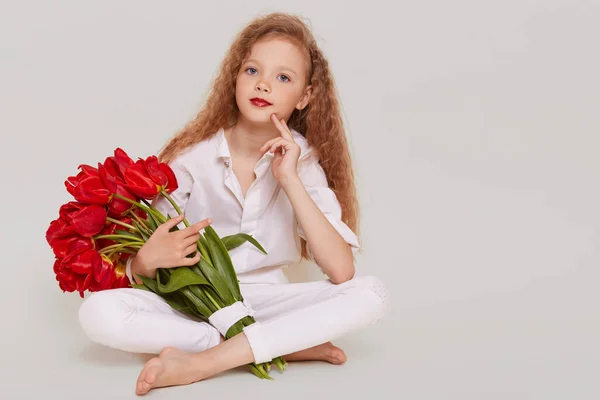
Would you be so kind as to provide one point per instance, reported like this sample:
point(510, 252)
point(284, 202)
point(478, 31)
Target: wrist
point(289, 181)
point(139, 267)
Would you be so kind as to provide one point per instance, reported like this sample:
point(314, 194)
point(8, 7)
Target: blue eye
point(286, 78)
point(250, 68)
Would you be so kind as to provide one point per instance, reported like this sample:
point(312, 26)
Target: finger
point(287, 129)
point(195, 228)
point(280, 127)
point(192, 239)
point(189, 250)
point(268, 144)
point(276, 144)
point(187, 261)
point(286, 145)
point(170, 223)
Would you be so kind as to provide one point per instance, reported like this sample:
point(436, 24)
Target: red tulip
point(87, 220)
point(115, 278)
point(70, 281)
point(161, 174)
point(84, 269)
point(59, 228)
point(119, 207)
point(112, 175)
point(69, 244)
point(109, 229)
point(87, 187)
point(138, 182)
point(121, 279)
point(146, 178)
point(121, 160)
point(74, 272)
point(106, 275)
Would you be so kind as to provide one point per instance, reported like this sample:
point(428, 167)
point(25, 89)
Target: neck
point(246, 138)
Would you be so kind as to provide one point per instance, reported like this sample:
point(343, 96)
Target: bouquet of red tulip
point(112, 217)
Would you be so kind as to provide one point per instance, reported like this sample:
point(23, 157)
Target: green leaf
point(180, 277)
point(204, 244)
point(208, 306)
point(233, 241)
point(222, 261)
point(217, 282)
point(177, 305)
point(142, 230)
point(151, 222)
point(197, 303)
point(149, 282)
point(140, 286)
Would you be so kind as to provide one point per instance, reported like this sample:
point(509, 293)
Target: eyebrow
point(281, 67)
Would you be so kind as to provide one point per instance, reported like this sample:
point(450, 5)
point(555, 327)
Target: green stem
point(175, 206)
point(147, 203)
point(143, 207)
point(132, 239)
point(212, 299)
point(147, 230)
point(116, 221)
point(119, 246)
point(125, 245)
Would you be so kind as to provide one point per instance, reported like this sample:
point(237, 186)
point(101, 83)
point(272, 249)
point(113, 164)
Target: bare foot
point(323, 352)
point(171, 367)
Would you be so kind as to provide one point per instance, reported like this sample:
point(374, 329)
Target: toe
point(337, 356)
point(150, 376)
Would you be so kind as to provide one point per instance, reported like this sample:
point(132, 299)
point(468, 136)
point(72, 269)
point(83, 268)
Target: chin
point(257, 116)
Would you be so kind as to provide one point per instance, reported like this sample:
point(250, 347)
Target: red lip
point(257, 101)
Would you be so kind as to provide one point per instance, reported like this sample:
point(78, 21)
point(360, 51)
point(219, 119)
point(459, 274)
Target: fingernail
point(210, 221)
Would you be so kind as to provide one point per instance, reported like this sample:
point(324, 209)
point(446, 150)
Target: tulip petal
point(138, 182)
point(122, 160)
point(154, 171)
point(172, 184)
point(88, 221)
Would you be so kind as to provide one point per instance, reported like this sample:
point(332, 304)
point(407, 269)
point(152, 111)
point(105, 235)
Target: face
point(272, 79)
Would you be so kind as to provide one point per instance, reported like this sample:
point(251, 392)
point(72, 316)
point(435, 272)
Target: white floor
point(446, 350)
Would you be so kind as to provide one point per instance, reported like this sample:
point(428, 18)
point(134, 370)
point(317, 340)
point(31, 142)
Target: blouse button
point(227, 164)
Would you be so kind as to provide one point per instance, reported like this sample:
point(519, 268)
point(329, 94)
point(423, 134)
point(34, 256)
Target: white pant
point(290, 317)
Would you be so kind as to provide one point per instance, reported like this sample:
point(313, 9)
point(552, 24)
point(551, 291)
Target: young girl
point(267, 156)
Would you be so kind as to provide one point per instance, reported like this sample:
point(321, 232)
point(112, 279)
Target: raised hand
point(285, 150)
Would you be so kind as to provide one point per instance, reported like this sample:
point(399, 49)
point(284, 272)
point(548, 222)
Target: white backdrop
point(474, 127)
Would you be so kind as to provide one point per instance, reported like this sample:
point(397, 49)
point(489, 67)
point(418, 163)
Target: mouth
point(258, 102)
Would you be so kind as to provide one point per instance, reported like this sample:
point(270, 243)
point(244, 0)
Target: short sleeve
point(313, 177)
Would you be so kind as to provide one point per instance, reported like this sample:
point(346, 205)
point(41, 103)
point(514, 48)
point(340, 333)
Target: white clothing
point(208, 188)
point(290, 317)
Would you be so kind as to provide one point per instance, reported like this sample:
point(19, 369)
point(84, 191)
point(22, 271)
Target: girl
point(267, 156)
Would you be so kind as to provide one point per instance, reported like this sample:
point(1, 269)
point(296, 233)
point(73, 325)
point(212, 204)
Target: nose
point(262, 86)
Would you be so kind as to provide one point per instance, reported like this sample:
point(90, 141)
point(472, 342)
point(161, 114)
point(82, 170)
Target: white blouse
point(208, 188)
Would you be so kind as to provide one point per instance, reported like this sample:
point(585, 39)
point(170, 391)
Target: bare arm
point(330, 250)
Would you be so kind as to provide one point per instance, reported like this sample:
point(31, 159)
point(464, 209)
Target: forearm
point(138, 268)
point(331, 252)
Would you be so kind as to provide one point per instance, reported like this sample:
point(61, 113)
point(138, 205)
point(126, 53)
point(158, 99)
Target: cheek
point(241, 82)
point(292, 96)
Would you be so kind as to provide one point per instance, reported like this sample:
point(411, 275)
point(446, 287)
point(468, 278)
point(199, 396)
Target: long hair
point(320, 122)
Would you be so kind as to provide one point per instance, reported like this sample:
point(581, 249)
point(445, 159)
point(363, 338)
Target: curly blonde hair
point(320, 122)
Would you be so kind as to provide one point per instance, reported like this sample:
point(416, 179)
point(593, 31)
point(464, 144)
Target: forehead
point(278, 52)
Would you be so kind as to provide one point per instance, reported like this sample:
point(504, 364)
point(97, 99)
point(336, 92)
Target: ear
point(305, 99)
